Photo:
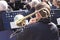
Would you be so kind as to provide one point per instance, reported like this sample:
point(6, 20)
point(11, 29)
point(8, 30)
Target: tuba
point(21, 22)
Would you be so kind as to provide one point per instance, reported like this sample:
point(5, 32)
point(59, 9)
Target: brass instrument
point(21, 22)
point(18, 22)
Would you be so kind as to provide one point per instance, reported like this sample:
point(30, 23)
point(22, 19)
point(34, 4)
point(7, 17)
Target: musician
point(42, 28)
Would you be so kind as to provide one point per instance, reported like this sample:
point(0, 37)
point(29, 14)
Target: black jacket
point(42, 30)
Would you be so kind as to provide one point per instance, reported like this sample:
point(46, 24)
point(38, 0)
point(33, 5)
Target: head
point(54, 2)
point(45, 13)
point(3, 5)
point(12, 1)
point(44, 0)
point(32, 4)
point(58, 3)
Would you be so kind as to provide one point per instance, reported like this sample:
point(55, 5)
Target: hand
point(33, 20)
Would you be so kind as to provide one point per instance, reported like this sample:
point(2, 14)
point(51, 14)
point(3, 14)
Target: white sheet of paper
point(13, 25)
point(58, 21)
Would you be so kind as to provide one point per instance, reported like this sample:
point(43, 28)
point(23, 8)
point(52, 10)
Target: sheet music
point(58, 21)
point(13, 25)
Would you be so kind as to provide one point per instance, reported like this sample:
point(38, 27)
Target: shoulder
point(38, 25)
point(33, 24)
point(51, 23)
point(53, 26)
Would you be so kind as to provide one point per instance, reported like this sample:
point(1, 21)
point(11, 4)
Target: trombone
point(18, 22)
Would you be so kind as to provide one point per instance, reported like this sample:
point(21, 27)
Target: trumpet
point(20, 21)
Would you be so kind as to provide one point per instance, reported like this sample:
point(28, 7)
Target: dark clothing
point(1, 22)
point(42, 30)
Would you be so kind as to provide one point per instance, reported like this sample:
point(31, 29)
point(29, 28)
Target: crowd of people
point(21, 4)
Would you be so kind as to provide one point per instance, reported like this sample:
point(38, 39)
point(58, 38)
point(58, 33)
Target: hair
point(3, 5)
point(45, 12)
point(32, 4)
point(58, 2)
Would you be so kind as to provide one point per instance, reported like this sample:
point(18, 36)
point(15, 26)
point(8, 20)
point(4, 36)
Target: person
point(55, 4)
point(47, 1)
point(42, 28)
point(3, 6)
point(31, 5)
point(58, 4)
